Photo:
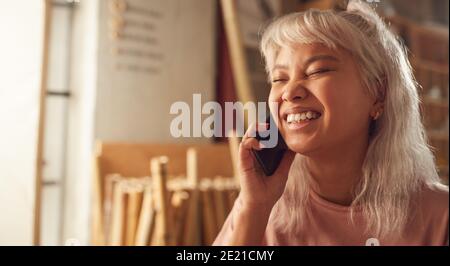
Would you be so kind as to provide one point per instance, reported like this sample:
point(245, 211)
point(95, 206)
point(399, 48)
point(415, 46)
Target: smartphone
point(269, 158)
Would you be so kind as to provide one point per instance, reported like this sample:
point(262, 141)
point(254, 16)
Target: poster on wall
point(151, 55)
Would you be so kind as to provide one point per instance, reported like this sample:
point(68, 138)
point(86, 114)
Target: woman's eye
point(277, 80)
point(319, 71)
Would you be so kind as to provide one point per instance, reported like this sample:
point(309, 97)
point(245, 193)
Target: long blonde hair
point(398, 160)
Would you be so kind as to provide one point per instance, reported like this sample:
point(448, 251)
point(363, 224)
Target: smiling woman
point(359, 170)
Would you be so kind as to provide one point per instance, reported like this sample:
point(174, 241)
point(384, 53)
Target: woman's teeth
point(309, 115)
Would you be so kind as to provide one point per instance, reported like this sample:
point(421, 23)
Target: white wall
point(21, 25)
point(83, 85)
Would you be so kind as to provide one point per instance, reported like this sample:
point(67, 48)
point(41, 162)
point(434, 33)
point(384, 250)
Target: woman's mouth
point(301, 119)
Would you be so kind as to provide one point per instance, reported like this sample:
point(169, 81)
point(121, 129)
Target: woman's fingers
point(248, 144)
point(254, 128)
point(251, 143)
point(245, 154)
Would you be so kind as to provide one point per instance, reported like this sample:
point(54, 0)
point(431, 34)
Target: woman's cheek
point(340, 126)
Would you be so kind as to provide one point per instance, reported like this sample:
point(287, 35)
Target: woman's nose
point(294, 92)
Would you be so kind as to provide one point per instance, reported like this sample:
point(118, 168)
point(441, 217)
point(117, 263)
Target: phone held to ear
point(269, 158)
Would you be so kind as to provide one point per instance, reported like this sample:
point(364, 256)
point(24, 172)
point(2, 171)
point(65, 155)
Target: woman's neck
point(335, 172)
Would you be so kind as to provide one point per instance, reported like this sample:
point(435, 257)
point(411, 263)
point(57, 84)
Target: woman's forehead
point(303, 53)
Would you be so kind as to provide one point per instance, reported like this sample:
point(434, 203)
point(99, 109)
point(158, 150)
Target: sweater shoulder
point(436, 196)
point(433, 202)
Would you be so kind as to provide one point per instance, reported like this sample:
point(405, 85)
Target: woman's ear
point(378, 106)
point(377, 110)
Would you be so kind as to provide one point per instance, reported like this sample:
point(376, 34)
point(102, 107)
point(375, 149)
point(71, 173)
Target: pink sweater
point(327, 223)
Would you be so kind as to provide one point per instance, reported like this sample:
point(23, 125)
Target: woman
point(358, 170)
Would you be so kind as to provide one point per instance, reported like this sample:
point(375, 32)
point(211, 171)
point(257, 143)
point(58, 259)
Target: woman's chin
point(298, 146)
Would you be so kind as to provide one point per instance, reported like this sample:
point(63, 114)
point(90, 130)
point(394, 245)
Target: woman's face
point(322, 103)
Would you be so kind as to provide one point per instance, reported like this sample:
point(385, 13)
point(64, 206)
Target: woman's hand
point(259, 191)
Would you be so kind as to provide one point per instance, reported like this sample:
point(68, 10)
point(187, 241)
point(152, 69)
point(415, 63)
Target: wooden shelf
point(439, 68)
point(442, 103)
point(438, 135)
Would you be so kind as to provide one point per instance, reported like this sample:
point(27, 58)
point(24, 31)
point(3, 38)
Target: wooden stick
point(110, 182)
point(209, 220)
point(47, 28)
point(192, 167)
point(180, 204)
point(220, 208)
point(118, 221)
point(98, 228)
point(191, 236)
point(238, 58)
point(159, 175)
point(146, 219)
point(239, 65)
point(135, 194)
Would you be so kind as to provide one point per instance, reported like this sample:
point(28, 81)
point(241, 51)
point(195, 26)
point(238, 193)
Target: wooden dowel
point(209, 220)
point(146, 219)
point(179, 202)
point(98, 229)
point(110, 182)
point(119, 209)
point(159, 175)
point(192, 167)
point(219, 202)
point(135, 193)
point(238, 58)
point(191, 234)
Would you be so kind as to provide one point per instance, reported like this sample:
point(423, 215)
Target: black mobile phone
point(269, 158)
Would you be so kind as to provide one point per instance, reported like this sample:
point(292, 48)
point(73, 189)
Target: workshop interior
point(87, 155)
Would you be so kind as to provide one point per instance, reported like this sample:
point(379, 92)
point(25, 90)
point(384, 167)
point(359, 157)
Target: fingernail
point(263, 126)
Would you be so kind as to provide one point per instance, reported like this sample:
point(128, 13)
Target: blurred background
point(86, 86)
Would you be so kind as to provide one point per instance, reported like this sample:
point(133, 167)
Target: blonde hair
point(398, 160)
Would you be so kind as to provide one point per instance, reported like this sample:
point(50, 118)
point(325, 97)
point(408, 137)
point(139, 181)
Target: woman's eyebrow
point(318, 58)
point(279, 66)
point(308, 61)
